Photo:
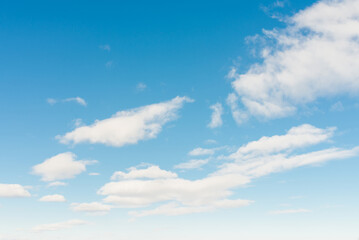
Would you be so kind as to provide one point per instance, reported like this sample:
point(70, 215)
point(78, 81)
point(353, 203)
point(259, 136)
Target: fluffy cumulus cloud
point(91, 208)
point(129, 126)
point(59, 225)
point(53, 198)
point(61, 166)
point(315, 56)
point(13, 190)
point(175, 195)
point(216, 118)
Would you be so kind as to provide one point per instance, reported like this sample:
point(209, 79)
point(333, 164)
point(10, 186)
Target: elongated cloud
point(53, 198)
point(13, 190)
point(175, 195)
point(58, 226)
point(92, 208)
point(128, 127)
point(315, 56)
point(59, 167)
point(216, 118)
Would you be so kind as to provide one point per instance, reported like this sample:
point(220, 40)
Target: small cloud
point(58, 226)
point(216, 118)
point(91, 208)
point(210, 141)
point(109, 64)
point(53, 198)
point(57, 183)
point(192, 164)
point(141, 87)
point(51, 101)
point(105, 47)
point(289, 211)
point(78, 122)
point(78, 100)
point(94, 174)
point(201, 152)
point(337, 107)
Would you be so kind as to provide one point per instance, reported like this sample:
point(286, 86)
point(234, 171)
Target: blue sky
point(188, 120)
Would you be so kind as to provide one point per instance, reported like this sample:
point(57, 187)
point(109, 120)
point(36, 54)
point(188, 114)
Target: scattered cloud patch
point(94, 174)
point(78, 100)
point(59, 226)
point(105, 47)
point(53, 198)
point(56, 184)
point(192, 164)
point(129, 126)
point(141, 87)
point(202, 151)
point(13, 190)
point(151, 172)
point(337, 107)
point(314, 57)
point(92, 208)
point(216, 118)
point(268, 155)
point(59, 167)
point(289, 211)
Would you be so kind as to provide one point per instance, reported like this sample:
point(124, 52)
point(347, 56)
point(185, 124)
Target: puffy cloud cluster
point(176, 195)
point(59, 167)
point(315, 56)
point(13, 190)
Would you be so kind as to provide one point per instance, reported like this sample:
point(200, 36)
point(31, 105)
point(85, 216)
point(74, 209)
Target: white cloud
point(255, 159)
point(58, 226)
point(315, 56)
point(61, 166)
point(78, 100)
point(105, 47)
point(128, 127)
point(289, 211)
point(92, 208)
point(192, 164)
point(13, 190)
point(51, 101)
point(57, 183)
point(94, 174)
point(238, 115)
point(296, 137)
point(152, 172)
point(216, 118)
point(202, 151)
point(53, 198)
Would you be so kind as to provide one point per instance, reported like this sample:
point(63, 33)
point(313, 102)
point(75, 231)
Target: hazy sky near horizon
point(188, 120)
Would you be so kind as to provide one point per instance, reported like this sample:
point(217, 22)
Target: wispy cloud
point(105, 47)
point(78, 100)
point(141, 87)
point(129, 126)
point(289, 211)
point(192, 164)
point(255, 159)
point(58, 226)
